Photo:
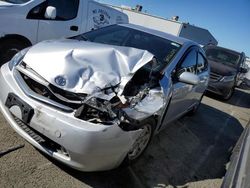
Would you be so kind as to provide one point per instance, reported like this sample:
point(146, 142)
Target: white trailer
point(200, 35)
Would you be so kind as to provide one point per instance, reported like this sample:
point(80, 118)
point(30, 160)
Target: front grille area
point(54, 93)
point(214, 77)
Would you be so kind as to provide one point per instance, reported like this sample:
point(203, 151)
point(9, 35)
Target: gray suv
point(96, 100)
point(227, 70)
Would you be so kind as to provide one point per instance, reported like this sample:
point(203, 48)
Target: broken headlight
point(17, 58)
point(96, 109)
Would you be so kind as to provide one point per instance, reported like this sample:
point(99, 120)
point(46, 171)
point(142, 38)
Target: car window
point(163, 49)
point(65, 9)
point(189, 63)
point(113, 38)
point(201, 64)
point(223, 56)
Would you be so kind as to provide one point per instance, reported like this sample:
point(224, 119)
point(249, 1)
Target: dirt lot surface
point(191, 152)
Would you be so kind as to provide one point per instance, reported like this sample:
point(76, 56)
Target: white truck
point(26, 22)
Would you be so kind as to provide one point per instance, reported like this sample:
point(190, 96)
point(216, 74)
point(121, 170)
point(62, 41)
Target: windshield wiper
point(83, 38)
point(79, 37)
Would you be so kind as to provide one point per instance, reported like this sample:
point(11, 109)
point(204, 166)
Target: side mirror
point(243, 70)
point(189, 78)
point(50, 13)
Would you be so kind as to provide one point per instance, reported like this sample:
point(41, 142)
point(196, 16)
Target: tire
point(228, 95)
point(9, 47)
point(142, 142)
point(193, 111)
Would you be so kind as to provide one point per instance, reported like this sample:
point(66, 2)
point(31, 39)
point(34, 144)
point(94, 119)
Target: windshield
point(16, 1)
point(223, 56)
point(163, 49)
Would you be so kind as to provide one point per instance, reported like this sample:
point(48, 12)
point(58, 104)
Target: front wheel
point(141, 143)
point(228, 95)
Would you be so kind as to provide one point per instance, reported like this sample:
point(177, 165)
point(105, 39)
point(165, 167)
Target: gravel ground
point(191, 152)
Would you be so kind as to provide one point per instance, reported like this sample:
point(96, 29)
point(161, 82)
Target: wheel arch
point(25, 40)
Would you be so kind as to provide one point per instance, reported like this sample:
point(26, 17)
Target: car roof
point(164, 35)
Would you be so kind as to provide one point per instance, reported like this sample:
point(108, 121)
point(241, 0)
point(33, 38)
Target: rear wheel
point(8, 48)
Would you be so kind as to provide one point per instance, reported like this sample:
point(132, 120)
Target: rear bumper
point(89, 147)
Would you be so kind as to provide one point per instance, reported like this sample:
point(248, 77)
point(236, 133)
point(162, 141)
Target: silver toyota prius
point(94, 101)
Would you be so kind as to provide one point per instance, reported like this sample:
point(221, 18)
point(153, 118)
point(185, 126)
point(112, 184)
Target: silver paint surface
point(87, 67)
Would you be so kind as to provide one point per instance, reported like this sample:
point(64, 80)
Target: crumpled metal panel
point(85, 67)
point(151, 104)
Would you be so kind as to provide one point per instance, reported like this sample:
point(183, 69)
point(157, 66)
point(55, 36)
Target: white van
point(26, 22)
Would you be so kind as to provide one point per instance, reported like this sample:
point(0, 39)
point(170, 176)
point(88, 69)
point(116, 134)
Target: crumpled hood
point(84, 67)
point(221, 69)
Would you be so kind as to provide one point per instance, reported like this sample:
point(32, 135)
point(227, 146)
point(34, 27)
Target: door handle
point(74, 28)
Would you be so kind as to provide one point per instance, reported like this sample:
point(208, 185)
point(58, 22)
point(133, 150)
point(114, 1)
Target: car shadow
point(188, 150)
point(121, 177)
point(191, 149)
point(240, 98)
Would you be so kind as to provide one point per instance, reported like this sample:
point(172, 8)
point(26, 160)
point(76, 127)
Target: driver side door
point(183, 93)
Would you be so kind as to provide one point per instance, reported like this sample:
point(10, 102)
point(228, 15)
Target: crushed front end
point(75, 113)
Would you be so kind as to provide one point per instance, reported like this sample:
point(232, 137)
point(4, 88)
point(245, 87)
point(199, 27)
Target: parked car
point(95, 101)
point(25, 22)
point(246, 82)
point(247, 62)
point(227, 70)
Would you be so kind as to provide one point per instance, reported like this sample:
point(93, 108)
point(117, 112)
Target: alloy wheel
point(141, 142)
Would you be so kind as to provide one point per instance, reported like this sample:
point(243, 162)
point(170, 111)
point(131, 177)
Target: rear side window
point(201, 63)
point(65, 9)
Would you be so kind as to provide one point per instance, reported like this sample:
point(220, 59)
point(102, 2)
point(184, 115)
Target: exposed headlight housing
point(228, 78)
point(17, 58)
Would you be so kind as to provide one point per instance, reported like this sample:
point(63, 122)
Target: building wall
point(199, 35)
point(152, 22)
